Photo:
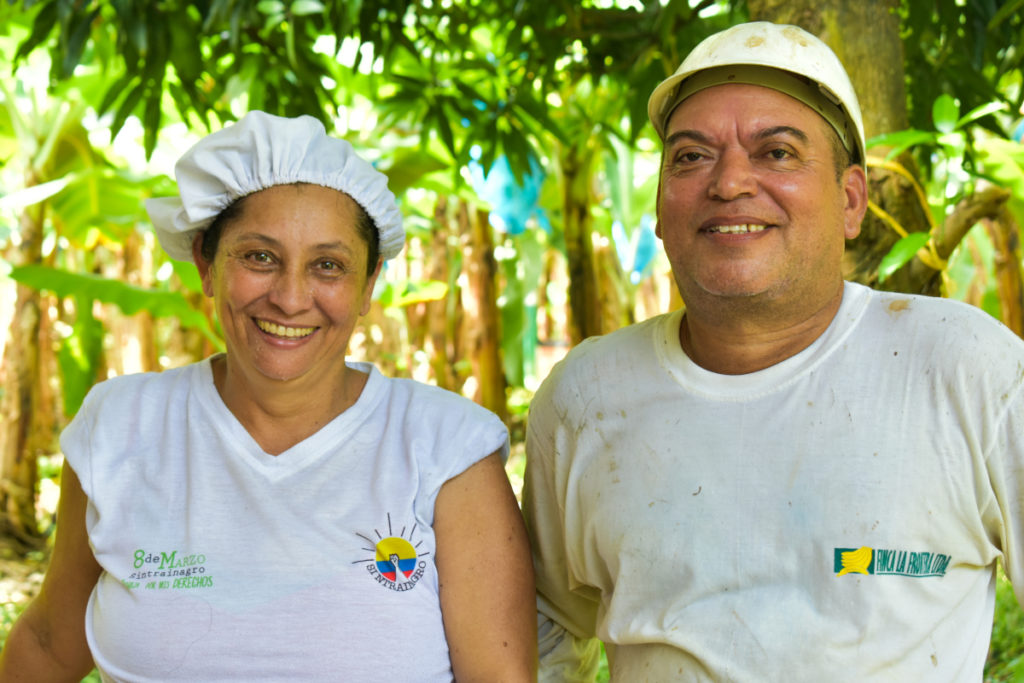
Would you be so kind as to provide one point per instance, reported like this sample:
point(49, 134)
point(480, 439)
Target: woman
point(275, 512)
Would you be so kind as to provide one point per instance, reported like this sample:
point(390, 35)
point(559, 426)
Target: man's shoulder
point(935, 328)
point(948, 315)
point(606, 359)
point(624, 343)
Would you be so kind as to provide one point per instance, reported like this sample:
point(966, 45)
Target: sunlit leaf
point(413, 292)
point(979, 112)
point(18, 200)
point(409, 166)
point(1003, 161)
point(188, 275)
point(79, 356)
point(901, 253)
point(271, 7)
point(303, 7)
point(901, 140)
point(945, 112)
point(129, 298)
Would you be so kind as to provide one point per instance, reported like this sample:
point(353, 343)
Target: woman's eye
point(331, 267)
point(259, 256)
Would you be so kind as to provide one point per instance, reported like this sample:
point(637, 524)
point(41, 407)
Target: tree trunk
point(442, 314)
point(1005, 234)
point(21, 398)
point(577, 198)
point(135, 347)
point(481, 318)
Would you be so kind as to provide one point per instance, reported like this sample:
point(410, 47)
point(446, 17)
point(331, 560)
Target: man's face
point(749, 206)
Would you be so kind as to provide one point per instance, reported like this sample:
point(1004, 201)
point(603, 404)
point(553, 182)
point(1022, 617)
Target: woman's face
point(290, 282)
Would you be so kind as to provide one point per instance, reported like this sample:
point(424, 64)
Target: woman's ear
point(205, 268)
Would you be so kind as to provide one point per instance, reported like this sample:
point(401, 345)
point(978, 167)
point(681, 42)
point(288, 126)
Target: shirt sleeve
point(1005, 463)
point(566, 613)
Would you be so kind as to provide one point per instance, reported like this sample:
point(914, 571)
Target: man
point(797, 478)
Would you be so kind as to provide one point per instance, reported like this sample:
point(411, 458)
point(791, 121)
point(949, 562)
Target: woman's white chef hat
point(261, 151)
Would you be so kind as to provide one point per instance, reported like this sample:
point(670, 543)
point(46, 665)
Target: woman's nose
point(291, 291)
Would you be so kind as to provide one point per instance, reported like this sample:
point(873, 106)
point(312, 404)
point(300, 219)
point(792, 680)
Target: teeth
point(282, 331)
point(736, 229)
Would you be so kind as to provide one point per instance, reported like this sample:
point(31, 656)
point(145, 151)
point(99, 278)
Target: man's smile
point(736, 229)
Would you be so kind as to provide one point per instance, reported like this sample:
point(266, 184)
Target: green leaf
point(444, 128)
point(1007, 11)
point(75, 44)
point(305, 7)
point(409, 166)
point(129, 298)
point(79, 357)
point(945, 112)
point(979, 112)
point(413, 292)
point(901, 253)
point(115, 91)
point(1003, 161)
point(152, 123)
point(901, 139)
point(270, 7)
point(41, 29)
point(188, 275)
point(126, 108)
point(29, 196)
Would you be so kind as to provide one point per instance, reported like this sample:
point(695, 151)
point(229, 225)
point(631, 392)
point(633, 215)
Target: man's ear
point(855, 189)
point(205, 268)
point(657, 210)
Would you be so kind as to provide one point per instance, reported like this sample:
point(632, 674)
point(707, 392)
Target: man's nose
point(733, 176)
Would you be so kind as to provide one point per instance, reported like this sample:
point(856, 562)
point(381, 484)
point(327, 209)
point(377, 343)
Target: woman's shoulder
point(138, 390)
point(433, 402)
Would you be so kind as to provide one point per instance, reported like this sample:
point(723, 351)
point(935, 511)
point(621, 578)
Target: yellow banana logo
point(856, 561)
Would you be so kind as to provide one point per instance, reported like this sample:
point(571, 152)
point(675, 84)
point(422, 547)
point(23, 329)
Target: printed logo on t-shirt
point(396, 562)
point(168, 570)
point(879, 561)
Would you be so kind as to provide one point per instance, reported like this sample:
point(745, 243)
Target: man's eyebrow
point(686, 134)
point(774, 131)
point(782, 130)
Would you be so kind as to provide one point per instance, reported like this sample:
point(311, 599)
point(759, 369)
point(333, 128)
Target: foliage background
point(515, 136)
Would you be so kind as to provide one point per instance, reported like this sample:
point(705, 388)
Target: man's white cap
point(778, 56)
point(260, 151)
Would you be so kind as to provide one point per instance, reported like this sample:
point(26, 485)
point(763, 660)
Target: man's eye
point(689, 157)
point(779, 153)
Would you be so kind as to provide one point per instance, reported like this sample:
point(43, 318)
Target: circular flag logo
point(395, 558)
point(396, 564)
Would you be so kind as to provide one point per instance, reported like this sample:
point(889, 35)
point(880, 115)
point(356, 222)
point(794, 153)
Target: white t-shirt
point(837, 516)
point(222, 562)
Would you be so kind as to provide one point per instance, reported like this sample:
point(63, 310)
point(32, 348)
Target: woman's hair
point(364, 225)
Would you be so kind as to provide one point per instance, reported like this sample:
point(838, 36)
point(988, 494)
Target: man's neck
point(734, 343)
